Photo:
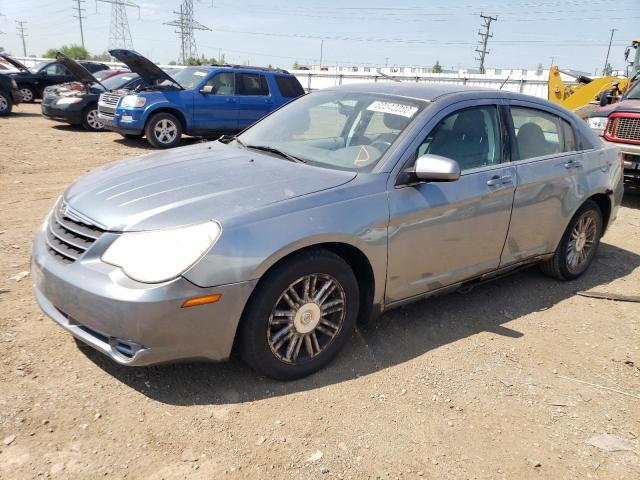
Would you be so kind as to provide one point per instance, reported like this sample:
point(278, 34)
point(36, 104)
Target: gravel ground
point(519, 378)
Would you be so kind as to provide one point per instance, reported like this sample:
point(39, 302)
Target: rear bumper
point(631, 161)
point(133, 323)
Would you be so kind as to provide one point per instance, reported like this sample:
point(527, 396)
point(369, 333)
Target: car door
point(550, 174)
point(441, 233)
point(55, 73)
point(216, 104)
point(254, 98)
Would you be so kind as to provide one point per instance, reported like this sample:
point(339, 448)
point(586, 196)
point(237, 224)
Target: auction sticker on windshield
point(200, 74)
point(393, 108)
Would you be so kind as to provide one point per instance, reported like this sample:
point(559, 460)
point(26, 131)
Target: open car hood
point(144, 67)
point(77, 70)
point(14, 62)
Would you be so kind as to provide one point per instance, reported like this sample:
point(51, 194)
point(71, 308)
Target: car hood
point(77, 70)
point(192, 184)
point(632, 106)
point(144, 67)
point(14, 62)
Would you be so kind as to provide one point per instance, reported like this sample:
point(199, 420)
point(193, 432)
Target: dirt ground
point(511, 380)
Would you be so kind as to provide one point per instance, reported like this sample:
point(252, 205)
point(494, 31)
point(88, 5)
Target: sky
point(575, 33)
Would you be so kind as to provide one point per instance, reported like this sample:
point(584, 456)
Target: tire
point(90, 120)
point(28, 94)
point(300, 340)
point(163, 130)
point(571, 259)
point(5, 104)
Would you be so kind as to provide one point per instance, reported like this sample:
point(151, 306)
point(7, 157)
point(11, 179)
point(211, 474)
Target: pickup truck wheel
point(5, 104)
point(163, 130)
point(300, 316)
point(578, 245)
point(28, 94)
point(90, 120)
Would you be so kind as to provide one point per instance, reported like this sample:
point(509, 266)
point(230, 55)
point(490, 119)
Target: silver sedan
point(337, 207)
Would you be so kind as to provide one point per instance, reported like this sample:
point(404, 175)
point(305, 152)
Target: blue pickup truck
point(204, 101)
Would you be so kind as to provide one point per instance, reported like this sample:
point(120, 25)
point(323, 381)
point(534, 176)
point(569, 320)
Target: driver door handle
point(499, 180)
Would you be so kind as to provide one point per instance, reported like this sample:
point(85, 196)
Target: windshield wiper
point(267, 148)
point(226, 139)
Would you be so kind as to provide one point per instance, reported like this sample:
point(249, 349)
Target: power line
point(78, 8)
point(119, 33)
point(21, 33)
point(484, 38)
point(186, 25)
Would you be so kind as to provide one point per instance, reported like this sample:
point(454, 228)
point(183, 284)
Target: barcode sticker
point(393, 108)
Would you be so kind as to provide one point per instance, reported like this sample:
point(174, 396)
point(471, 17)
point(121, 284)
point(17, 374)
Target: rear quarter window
point(289, 86)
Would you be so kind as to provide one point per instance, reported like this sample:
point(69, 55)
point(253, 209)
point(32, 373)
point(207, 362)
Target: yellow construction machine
point(588, 93)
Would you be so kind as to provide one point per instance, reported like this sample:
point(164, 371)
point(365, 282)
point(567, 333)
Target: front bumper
point(71, 114)
point(133, 323)
point(631, 161)
point(114, 122)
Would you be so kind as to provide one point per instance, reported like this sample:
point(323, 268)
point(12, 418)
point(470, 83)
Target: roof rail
point(249, 67)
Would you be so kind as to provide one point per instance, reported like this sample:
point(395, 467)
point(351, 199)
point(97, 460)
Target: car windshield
point(188, 77)
point(334, 129)
point(118, 81)
point(634, 92)
point(38, 66)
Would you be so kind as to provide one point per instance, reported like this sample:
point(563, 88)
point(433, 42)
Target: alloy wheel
point(582, 241)
point(93, 121)
point(306, 318)
point(27, 95)
point(4, 103)
point(165, 131)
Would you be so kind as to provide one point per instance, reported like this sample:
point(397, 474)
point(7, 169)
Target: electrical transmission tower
point(484, 38)
point(78, 8)
point(119, 33)
point(186, 25)
point(22, 34)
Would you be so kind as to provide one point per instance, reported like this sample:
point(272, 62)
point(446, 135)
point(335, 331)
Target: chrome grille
point(628, 128)
point(68, 238)
point(110, 99)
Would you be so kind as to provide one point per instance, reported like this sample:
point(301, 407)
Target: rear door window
point(251, 84)
point(289, 86)
point(539, 133)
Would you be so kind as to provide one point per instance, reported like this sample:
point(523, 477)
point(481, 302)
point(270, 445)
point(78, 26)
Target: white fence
point(530, 82)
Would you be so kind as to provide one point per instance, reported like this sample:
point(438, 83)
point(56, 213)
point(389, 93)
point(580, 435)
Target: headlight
point(68, 100)
point(597, 124)
point(133, 101)
point(161, 255)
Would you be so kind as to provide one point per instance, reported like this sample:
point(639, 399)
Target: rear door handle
point(572, 164)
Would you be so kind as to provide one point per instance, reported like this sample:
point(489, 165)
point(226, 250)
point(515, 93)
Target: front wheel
point(90, 120)
point(300, 316)
point(163, 130)
point(578, 245)
point(28, 94)
point(5, 104)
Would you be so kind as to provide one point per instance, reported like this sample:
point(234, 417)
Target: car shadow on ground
point(396, 337)
point(631, 198)
point(143, 144)
point(18, 113)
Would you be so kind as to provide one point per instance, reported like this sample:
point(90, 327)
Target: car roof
point(240, 67)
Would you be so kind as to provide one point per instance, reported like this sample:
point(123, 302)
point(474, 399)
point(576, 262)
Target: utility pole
point(78, 8)
point(606, 60)
point(484, 38)
point(22, 34)
point(321, 46)
point(186, 25)
point(119, 33)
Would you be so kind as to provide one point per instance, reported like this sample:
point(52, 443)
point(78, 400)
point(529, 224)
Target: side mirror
point(207, 90)
point(435, 168)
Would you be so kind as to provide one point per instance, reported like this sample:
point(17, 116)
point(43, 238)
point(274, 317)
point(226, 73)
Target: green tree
point(172, 62)
point(295, 66)
point(608, 70)
point(437, 68)
point(101, 57)
point(75, 51)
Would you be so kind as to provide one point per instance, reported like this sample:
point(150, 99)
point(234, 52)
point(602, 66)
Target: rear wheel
point(28, 94)
point(300, 316)
point(163, 130)
point(5, 104)
point(578, 245)
point(90, 120)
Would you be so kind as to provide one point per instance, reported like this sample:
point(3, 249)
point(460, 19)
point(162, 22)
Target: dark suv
point(9, 94)
point(204, 101)
point(32, 81)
